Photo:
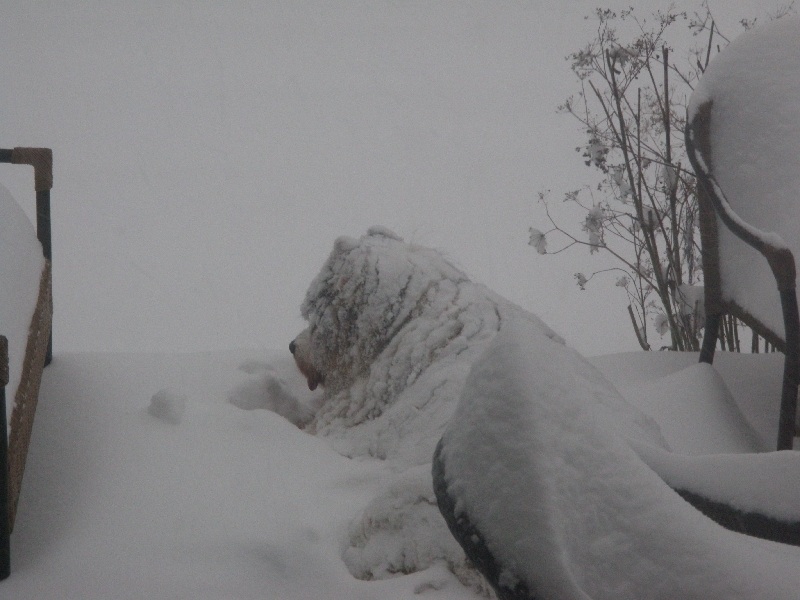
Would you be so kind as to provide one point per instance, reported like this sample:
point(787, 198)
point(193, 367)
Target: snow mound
point(539, 460)
point(752, 381)
point(684, 402)
point(275, 386)
point(401, 531)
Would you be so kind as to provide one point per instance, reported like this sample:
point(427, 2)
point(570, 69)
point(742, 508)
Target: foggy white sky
point(208, 154)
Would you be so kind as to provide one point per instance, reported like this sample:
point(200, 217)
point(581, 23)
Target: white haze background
point(208, 154)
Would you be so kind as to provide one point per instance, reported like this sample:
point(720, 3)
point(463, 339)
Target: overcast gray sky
point(208, 154)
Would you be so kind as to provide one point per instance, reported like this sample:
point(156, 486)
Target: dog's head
point(364, 294)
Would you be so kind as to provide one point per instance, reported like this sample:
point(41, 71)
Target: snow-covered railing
point(27, 320)
point(742, 135)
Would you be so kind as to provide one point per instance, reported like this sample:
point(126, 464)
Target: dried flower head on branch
point(631, 104)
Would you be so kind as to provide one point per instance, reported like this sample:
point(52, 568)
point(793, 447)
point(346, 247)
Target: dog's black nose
point(292, 346)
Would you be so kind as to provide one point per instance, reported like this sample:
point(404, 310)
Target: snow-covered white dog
point(393, 329)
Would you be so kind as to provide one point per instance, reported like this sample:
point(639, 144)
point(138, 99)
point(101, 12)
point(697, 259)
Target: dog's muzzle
point(301, 359)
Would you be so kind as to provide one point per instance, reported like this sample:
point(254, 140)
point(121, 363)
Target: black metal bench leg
point(5, 521)
point(791, 370)
point(710, 337)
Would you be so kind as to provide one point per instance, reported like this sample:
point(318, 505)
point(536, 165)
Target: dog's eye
point(292, 346)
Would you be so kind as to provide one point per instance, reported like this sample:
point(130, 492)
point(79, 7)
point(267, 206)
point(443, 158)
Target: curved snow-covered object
point(538, 477)
point(742, 137)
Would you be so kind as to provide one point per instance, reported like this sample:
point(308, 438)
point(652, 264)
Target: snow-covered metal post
point(5, 523)
point(41, 159)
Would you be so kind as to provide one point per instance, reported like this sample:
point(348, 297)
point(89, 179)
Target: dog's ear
point(344, 244)
point(379, 231)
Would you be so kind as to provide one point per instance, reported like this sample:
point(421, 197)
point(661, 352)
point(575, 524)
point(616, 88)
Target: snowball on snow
point(168, 406)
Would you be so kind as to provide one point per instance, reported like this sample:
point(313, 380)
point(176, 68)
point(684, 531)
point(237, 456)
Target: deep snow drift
point(186, 476)
point(226, 503)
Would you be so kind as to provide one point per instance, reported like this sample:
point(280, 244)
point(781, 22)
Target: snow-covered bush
point(643, 209)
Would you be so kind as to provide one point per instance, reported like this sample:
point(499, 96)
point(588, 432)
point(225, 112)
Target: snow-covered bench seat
point(742, 140)
point(557, 488)
point(25, 310)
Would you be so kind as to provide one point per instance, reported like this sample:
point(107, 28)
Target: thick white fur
point(393, 330)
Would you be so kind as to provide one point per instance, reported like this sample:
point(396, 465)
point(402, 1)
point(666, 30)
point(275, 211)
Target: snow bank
point(233, 503)
point(227, 503)
point(538, 456)
point(751, 381)
point(755, 131)
point(21, 267)
point(683, 403)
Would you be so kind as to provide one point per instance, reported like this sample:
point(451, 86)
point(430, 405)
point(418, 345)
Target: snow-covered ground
point(187, 476)
point(222, 503)
point(235, 503)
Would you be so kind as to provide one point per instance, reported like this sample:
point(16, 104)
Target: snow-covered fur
point(393, 329)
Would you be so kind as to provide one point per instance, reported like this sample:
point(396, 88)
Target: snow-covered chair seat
point(557, 488)
point(25, 314)
point(742, 140)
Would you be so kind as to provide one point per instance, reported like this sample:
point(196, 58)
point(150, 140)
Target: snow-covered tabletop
point(21, 264)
